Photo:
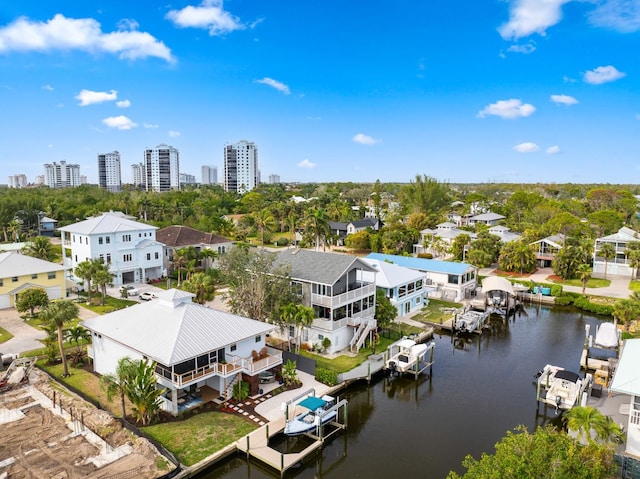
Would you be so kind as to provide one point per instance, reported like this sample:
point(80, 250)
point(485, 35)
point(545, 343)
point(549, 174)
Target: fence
point(304, 364)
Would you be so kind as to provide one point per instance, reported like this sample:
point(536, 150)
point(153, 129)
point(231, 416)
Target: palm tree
point(58, 314)
point(102, 277)
point(142, 391)
point(78, 335)
point(632, 252)
point(317, 224)
point(264, 222)
point(584, 272)
point(606, 252)
point(15, 228)
point(583, 420)
point(180, 260)
point(117, 383)
point(287, 318)
point(87, 270)
point(209, 256)
point(303, 318)
point(40, 247)
point(202, 285)
point(626, 310)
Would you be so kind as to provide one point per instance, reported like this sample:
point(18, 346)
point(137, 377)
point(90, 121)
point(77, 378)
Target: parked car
point(146, 296)
point(131, 290)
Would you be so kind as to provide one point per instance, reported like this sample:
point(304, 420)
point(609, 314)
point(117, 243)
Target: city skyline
point(516, 91)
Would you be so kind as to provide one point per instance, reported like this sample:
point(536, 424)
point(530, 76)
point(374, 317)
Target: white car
point(131, 291)
point(147, 296)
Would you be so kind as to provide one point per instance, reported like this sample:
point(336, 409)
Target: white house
point(446, 231)
point(200, 352)
point(452, 281)
point(618, 266)
point(333, 285)
point(341, 229)
point(489, 218)
point(547, 249)
point(129, 247)
point(626, 380)
point(406, 288)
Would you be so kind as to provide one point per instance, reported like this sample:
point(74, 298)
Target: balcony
point(344, 298)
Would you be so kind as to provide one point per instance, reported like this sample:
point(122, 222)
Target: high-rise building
point(241, 167)
point(187, 179)
point(209, 175)
point(17, 181)
point(109, 171)
point(274, 179)
point(137, 175)
point(162, 168)
point(61, 175)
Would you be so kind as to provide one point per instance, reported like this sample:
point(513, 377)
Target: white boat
point(315, 411)
point(406, 354)
point(561, 388)
point(469, 321)
point(607, 336)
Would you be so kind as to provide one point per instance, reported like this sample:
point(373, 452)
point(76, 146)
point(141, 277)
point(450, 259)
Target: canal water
point(481, 387)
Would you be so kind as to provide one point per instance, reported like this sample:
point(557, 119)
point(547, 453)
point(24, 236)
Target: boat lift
point(319, 430)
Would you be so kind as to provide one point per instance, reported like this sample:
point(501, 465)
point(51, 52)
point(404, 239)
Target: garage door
point(54, 292)
point(4, 301)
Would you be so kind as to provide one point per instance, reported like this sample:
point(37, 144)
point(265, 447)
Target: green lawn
point(634, 285)
point(433, 313)
point(592, 283)
point(5, 335)
point(110, 304)
point(201, 435)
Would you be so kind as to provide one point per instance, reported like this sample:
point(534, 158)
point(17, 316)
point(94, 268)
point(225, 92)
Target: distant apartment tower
point(38, 180)
point(187, 179)
point(209, 175)
point(241, 167)
point(137, 175)
point(274, 179)
point(162, 168)
point(109, 176)
point(17, 181)
point(61, 175)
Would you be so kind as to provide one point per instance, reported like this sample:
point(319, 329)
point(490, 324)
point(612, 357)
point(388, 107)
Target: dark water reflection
point(481, 387)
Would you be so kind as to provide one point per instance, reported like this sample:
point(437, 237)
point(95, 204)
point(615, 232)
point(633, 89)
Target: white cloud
point(509, 109)
point(89, 97)
point(601, 75)
point(567, 79)
point(526, 147)
point(365, 139)
point(564, 100)
point(174, 134)
point(123, 104)
point(620, 15)
point(120, 122)
point(85, 34)
point(275, 84)
point(553, 150)
point(210, 14)
point(149, 125)
point(527, 17)
point(525, 48)
point(47, 87)
point(306, 163)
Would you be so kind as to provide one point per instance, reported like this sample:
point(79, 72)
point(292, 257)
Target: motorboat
point(469, 321)
point(607, 336)
point(406, 354)
point(561, 388)
point(316, 411)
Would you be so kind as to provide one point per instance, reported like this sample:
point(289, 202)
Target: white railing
point(344, 298)
point(329, 325)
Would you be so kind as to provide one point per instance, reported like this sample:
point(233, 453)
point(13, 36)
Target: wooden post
point(346, 414)
point(281, 465)
point(267, 429)
point(368, 372)
point(247, 446)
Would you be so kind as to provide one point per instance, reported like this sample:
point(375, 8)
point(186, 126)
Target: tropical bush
point(326, 376)
point(586, 305)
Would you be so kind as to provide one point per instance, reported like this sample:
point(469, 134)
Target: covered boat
point(315, 412)
point(561, 388)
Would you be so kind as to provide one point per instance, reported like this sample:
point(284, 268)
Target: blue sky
point(463, 91)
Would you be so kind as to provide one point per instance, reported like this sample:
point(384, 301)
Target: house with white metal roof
point(453, 281)
point(446, 231)
point(489, 218)
point(619, 265)
point(200, 352)
point(406, 288)
point(547, 249)
point(333, 285)
point(626, 380)
point(20, 272)
point(127, 246)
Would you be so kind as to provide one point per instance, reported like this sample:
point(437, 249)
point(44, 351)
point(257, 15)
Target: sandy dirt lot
point(38, 441)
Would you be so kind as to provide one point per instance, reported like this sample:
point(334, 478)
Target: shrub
point(282, 241)
point(326, 376)
point(586, 305)
point(556, 290)
point(425, 255)
point(241, 391)
point(564, 300)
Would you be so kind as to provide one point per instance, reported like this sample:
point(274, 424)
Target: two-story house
point(19, 272)
point(547, 249)
point(177, 237)
point(447, 232)
point(127, 246)
point(618, 265)
point(200, 352)
point(341, 229)
point(626, 380)
point(452, 281)
point(333, 285)
point(489, 219)
point(406, 288)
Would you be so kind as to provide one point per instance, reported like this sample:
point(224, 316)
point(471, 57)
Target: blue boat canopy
point(312, 403)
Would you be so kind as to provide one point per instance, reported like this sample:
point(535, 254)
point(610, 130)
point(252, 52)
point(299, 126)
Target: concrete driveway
point(25, 337)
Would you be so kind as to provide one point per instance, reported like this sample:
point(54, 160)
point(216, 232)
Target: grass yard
point(634, 285)
point(5, 335)
point(110, 304)
point(592, 283)
point(433, 312)
point(201, 435)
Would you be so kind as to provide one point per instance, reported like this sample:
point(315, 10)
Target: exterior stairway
point(361, 333)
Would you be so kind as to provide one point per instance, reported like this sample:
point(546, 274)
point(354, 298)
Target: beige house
point(19, 272)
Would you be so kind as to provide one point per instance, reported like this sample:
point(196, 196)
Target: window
point(14, 279)
point(233, 347)
point(101, 258)
point(157, 256)
point(51, 275)
point(258, 338)
point(34, 276)
point(148, 256)
point(1, 282)
point(86, 240)
point(127, 257)
point(292, 331)
point(126, 238)
point(73, 238)
point(108, 257)
point(108, 239)
point(100, 240)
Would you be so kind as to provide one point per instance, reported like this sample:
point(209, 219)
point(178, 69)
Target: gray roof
point(172, 329)
point(489, 216)
point(112, 222)
point(623, 234)
point(16, 264)
point(318, 266)
point(554, 240)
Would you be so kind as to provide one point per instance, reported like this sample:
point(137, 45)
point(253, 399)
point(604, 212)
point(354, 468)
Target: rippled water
point(480, 388)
